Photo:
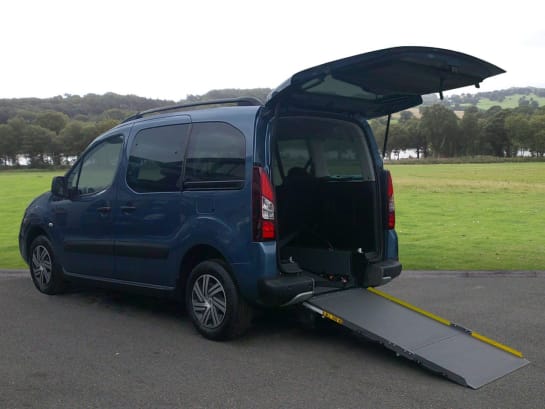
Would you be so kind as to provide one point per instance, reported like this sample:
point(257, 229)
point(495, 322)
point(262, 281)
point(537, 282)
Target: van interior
point(327, 197)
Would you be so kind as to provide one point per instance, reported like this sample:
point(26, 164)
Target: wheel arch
point(195, 255)
point(31, 235)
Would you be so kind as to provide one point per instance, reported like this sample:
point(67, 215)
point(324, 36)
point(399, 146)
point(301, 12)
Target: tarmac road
point(96, 349)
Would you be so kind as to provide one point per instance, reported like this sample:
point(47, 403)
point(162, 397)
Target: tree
point(517, 126)
point(378, 126)
point(405, 116)
point(36, 144)
point(440, 125)
point(495, 133)
point(470, 132)
point(537, 127)
point(9, 146)
point(397, 140)
point(104, 125)
point(416, 138)
point(54, 121)
point(18, 126)
point(71, 137)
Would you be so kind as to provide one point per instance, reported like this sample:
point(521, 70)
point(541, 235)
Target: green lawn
point(471, 216)
point(17, 189)
point(468, 216)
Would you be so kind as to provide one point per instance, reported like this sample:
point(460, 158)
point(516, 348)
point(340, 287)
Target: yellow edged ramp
point(461, 355)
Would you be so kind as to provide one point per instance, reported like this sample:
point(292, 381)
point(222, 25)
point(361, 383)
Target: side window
point(155, 160)
point(215, 157)
point(97, 169)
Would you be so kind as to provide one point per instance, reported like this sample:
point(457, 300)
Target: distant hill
point(92, 107)
point(111, 106)
point(505, 98)
point(88, 107)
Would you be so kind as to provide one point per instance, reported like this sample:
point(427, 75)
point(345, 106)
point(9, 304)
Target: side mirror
point(58, 186)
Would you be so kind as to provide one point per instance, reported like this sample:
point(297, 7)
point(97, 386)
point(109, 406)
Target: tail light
point(390, 203)
point(263, 206)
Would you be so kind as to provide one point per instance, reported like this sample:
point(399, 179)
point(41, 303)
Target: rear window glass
point(321, 148)
point(215, 156)
point(155, 161)
point(342, 154)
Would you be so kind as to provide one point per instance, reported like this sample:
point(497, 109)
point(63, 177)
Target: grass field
point(471, 216)
point(17, 189)
point(459, 216)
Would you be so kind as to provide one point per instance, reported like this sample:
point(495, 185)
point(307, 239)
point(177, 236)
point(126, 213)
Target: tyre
point(45, 271)
point(214, 304)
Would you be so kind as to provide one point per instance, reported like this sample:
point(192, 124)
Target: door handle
point(104, 210)
point(128, 209)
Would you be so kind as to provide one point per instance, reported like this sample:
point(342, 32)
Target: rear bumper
point(292, 289)
point(285, 290)
point(381, 273)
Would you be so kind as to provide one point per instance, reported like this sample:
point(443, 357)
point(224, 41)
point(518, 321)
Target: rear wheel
point(45, 271)
point(214, 304)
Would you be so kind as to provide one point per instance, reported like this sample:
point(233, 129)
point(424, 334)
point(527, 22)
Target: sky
point(170, 49)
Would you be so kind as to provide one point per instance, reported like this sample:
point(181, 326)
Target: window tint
point(295, 159)
point(342, 155)
point(155, 161)
point(215, 157)
point(325, 148)
point(97, 170)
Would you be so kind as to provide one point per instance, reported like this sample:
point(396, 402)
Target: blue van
point(237, 204)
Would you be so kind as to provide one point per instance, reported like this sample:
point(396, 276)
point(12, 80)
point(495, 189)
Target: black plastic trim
point(102, 247)
point(280, 290)
point(141, 250)
point(244, 101)
point(380, 273)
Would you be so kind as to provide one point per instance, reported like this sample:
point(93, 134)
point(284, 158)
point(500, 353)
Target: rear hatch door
point(381, 82)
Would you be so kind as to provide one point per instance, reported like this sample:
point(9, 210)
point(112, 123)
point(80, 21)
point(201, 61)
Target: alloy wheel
point(41, 265)
point(209, 301)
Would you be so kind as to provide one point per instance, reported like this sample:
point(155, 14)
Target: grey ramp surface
point(445, 349)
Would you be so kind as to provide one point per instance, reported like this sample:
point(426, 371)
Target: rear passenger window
point(155, 161)
point(215, 157)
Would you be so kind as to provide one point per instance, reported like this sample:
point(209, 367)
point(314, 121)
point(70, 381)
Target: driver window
point(97, 169)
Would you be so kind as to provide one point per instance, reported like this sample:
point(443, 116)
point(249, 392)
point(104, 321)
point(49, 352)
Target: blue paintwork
point(177, 221)
point(394, 79)
point(166, 226)
point(145, 246)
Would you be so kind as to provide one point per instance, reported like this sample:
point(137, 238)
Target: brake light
point(263, 206)
point(390, 203)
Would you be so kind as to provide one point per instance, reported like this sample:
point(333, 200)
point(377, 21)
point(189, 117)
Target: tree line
point(440, 133)
point(53, 131)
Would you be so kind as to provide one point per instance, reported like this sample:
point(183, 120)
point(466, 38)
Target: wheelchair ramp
point(461, 355)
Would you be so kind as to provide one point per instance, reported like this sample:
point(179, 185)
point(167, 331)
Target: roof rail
point(243, 101)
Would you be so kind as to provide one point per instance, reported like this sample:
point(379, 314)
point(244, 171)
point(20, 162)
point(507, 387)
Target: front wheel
point(45, 271)
point(214, 304)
